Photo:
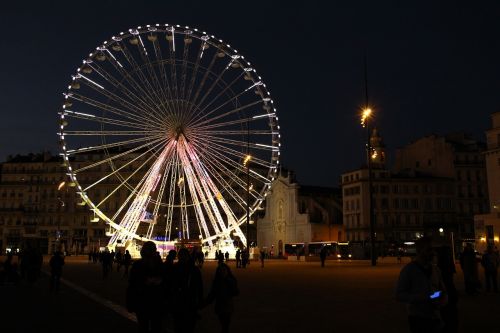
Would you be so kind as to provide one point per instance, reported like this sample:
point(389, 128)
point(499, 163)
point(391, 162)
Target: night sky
point(433, 67)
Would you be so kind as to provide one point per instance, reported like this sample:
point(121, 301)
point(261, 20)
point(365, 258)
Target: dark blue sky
point(433, 67)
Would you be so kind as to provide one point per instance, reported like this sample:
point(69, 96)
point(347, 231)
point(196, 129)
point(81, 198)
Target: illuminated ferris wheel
point(157, 128)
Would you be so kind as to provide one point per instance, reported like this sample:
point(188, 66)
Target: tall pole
point(248, 182)
point(371, 219)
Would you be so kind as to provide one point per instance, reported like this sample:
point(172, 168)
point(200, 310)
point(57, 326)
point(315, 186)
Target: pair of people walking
point(178, 287)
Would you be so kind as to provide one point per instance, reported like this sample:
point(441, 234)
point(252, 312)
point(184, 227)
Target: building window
point(396, 203)
point(429, 162)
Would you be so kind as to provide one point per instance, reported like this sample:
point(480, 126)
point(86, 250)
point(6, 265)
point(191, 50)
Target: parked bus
point(292, 249)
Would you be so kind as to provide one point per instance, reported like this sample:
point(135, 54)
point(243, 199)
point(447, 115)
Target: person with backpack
point(224, 288)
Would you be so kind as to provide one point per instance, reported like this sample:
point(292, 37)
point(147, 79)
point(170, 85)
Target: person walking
point(322, 255)
point(420, 286)
point(187, 293)
point(106, 262)
point(490, 262)
point(238, 258)
point(224, 288)
point(56, 264)
point(262, 257)
point(468, 263)
point(127, 260)
point(446, 265)
point(226, 256)
point(144, 287)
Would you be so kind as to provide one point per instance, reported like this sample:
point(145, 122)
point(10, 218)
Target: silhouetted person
point(31, 264)
point(490, 262)
point(224, 288)
point(468, 262)
point(322, 256)
point(226, 256)
point(187, 292)
point(56, 264)
point(119, 260)
point(449, 312)
point(169, 279)
point(145, 289)
point(106, 262)
point(10, 270)
point(127, 260)
point(262, 257)
point(418, 281)
point(238, 258)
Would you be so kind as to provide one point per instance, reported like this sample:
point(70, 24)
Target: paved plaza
point(284, 296)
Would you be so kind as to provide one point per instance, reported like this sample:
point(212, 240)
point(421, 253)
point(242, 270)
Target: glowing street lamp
point(366, 115)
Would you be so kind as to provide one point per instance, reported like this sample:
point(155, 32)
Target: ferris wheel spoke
point(132, 96)
point(154, 88)
point(215, 192)
point(238, 154)
point(191, 170)
point(132, 218)
point(218, 172)
point(240, 132)
point(232, 99)
point(152, 74)
point(198, 123)
point(201, 114)
point(124, 182)
point(195, 72)
point(104, 120)
point(164, 76)
point(171, 196)
point(185, 54)
point(110, 145)
point(198, 194)
point(214, 158)
point(132, 82)
point(247, 120)
point(133, 113)
point(122, 167)
point(116, 156)
point(159, 197)
point(212, 86)
point(238, 143)
point(202, 85)
point(208, 186)
point(173, 70)
point(111, 133)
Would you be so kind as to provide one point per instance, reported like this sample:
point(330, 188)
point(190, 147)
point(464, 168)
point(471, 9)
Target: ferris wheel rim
point(273, 163)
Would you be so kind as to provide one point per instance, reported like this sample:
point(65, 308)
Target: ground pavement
point(284, 296)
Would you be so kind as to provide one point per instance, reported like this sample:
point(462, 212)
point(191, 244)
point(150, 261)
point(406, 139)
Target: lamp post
point(365, 117)
point(246, 164)
point(58, 232)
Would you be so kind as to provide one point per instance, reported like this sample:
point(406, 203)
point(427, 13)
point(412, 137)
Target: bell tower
point(377, 149)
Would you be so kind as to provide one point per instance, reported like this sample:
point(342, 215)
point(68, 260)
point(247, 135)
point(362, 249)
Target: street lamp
point(58, 232)
point(365, 122)
point(246, 164)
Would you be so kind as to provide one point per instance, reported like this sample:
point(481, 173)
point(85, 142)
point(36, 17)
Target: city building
point(456, 156)
point(407, 203)
point(299, 214)
point(487, 226)
point(39, 205)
